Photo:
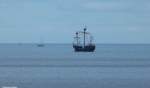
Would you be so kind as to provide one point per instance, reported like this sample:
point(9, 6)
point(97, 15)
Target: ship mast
point(77, 38)
point(84, 36)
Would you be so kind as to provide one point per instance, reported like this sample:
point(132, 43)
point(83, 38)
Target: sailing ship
point(83, 42)
point(41, 44)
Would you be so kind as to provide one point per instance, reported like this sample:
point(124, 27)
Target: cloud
point(133, 28)
point(105, 6)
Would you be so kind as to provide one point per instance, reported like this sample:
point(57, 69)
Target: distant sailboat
point(41, 44)
point(86, 45)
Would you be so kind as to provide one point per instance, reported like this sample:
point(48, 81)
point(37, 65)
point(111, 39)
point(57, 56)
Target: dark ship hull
point(88, 48)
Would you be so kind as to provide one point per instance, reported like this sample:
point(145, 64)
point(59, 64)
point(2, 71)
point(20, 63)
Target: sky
point(56, 21)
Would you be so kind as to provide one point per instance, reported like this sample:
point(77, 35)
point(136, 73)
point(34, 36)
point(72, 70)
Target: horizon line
point(68, 43)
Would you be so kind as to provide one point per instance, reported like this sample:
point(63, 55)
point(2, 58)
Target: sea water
point(58, 66)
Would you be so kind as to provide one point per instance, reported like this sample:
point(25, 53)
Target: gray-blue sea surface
point(58, 66)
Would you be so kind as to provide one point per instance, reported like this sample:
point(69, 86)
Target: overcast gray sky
point(55, 21)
